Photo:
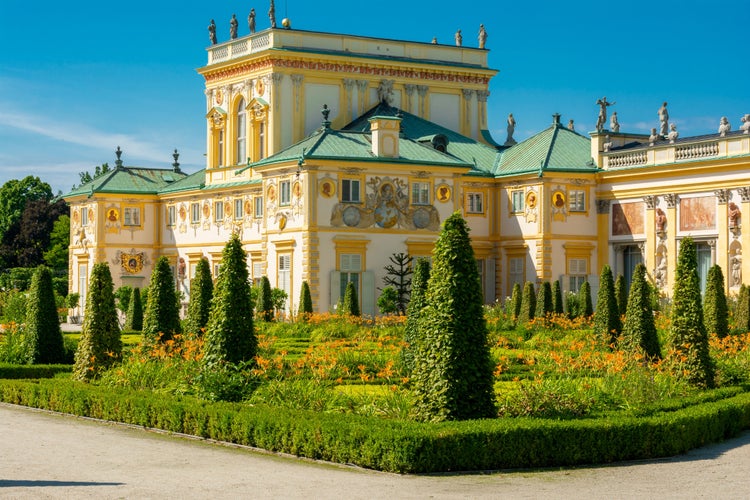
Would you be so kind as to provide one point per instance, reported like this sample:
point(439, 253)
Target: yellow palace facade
point(329, 153)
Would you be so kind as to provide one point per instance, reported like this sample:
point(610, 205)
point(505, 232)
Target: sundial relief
point(386, 206)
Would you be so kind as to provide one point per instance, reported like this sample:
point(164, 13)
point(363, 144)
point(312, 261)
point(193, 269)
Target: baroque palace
point(329, 153)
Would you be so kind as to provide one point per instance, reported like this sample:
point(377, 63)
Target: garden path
point(46, 455)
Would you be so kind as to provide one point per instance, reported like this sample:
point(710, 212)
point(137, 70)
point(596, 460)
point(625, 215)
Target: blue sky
point(77, 79)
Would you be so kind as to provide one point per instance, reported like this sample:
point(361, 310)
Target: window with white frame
point(238, 208)
point(577, 271)
point(131, 216)
point(218, 211)
point(516, 272)
point(84, 216)
point(220, 156)
point(195, 213)
point(257, 272)
point(475, 203)
point(171, 215)
point(350, 266)
point(285, 193)
point(420, 193)
point(517, 201)
point(350, 190)
point(258, 201)
point(577, 200)
point(284, 276)
point(241, 132)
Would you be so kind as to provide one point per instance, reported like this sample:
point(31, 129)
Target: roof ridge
point(551, 147)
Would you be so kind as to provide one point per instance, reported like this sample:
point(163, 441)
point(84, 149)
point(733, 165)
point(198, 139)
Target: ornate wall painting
point(327, 188)
point(627, 219)
point(698, 214)
point(443, 193)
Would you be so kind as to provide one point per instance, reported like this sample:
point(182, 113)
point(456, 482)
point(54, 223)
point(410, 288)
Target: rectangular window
point(171, 215)
point(257, 272)
point(218, 211)
point(195, 213)
point(577, 271)
point(84, 216)
point(237, 208)
point(475, 203)
point(284, 277)
point(420, 193)
point(517, 201)
point(350, 190)
point(258, 200)
point(131, 216)
point(221, 148)
point(350, 266)
point(285, 193)
point(577, 201)
point(515, 272)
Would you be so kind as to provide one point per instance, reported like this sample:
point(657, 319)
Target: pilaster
point(672, 201)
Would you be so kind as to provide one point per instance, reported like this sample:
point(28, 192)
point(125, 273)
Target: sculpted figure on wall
point(614, 124)
point(736, 267)
point(734, 215)
point(661, 221)
point(724, 126)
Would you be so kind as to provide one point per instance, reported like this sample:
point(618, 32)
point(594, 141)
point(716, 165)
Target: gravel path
point(45, 455)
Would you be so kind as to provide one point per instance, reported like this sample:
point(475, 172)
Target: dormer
point(385, 134)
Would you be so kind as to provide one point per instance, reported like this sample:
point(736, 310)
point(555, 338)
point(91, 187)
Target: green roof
point(553, 149)
point(129, 180)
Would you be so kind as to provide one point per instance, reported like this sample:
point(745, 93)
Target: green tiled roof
point(188, 183)
point(131, 180)
point(553, 149)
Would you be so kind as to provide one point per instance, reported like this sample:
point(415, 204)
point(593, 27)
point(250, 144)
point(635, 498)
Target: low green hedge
point(12, 371)
point(400, 446)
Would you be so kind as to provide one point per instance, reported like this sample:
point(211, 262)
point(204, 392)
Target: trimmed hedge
point(11, 371)
point(399, 446)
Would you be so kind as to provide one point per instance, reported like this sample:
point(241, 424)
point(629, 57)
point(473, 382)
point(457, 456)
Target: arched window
point(241, 132)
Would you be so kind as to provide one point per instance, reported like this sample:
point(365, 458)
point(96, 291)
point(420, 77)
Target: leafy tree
point(351, 300)
point(134, 318)
point(28, 238)
point(56, 255)
point(639, 331)
point(607, 324)
point(201, 293)
point(621, 294)
point(387, 302)
point(15, 194)
point(162, 318)
point(398, 276)
point(543, 300)
point(715, 310)
point(688, 339)
point(86, 177)
point(100, 345)
point(44, 339)
point(230, 336)
point(528, 304)
point(742, 310)
point(453, 369)
point(278, 299)
point(584, 300)
point(414, 312)
point(305, 302)
point(122, 298)
point(264, 304)
point(557, 298)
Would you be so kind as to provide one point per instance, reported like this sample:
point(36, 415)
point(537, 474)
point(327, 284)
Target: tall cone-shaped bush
point(134, 317)
point(351, 300)
point(558, 306)
point(742, 310)
point(452, 368)
point(639, 331)
point(161, 320)
point(515, 301)
point(201, 294)
point(621, 293)
point(715, 310)
point(607, 324)
point(416, 304)
point(305, 302)
point(43, 337)
point(586, 306)
point(264, 305)
point(528, 304)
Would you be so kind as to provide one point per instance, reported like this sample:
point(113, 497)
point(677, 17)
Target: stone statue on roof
point(233, 27)
point(459, 38)
point(602, 119)
point(724, 126)
point(663, 119)
point(614, 124)
point(212, 32)
point(653, 137)
point(511, 128)
point(482, 36)
point(434, 40)
point(385, 91)
point(745, 127)
point(673, 134)
point(272, 14)
point(251, 21)
point(571, 126)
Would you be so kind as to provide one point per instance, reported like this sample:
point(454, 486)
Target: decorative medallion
point(351, 216)
point(443, 193)
point(227, 210)
point(282, 222)
point(386, 211)
point(219, 96)
point(421, 218)
point(182, 212)
point(297, 189)
point(531, 199)
point(272, 193)
point(76, 216)
point(327, 188)
point(91, 213)
point(113, 215)
point(558, 199)
point(206, 210)
point(248, 207)
point(259, 87)
point(131, 262)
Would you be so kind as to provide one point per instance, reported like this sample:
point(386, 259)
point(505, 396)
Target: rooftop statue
point(663, 119)
point(482, 36)
point(653, 137)
point(233, 27)
point(434, 40)
point(614, 124)
point(511, 128)
point(724, 126)
point(570, 125)
point(459, 38)
point(745, 127)
point(272, 14)
point(673, 134)
point(602, 119)
point(212, 32)
point(251, 21)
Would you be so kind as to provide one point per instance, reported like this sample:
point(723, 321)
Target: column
point(672, 200)
point(650, 229)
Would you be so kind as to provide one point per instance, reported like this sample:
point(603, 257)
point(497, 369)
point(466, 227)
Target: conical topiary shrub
point(161, 320)
point(558, 306)
point(543, 300)
point(264, 304)
point(607, 324)
point(201, 294)
point(417, 303)
point(639, 331)
point(715, 310)
point(305, 302)
point(351, 300)
point(528, 304)
point(43, 337)
point(621, 293)
point(584, 300)
point(742, 310)
point(134, 317)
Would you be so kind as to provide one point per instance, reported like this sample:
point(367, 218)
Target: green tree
point(86, 177)
point(742, 310)
point(351, 300)
point(134, 318)
point(453, 368)
point(305, 302)
point(543, 300)
point(399, 277)
point(558, 305)
point(688, 339)
point(388, 300)
point(56, 255)
point(161, 320)
point(715, 310)
point(201, 293)
point(230, 337)
point(100, 346)
point(621, 293)
point(528, 304)
point(44, 339)
point(264, 304)
point(15, 194)
point(584, 300)
point(278, 299)
point(515, 301)
point(414, 312)
point(27, 238)
point(607, 323)
point(122, 298)
point(639, 330)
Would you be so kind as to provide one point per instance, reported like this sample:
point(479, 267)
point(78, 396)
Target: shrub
point(201, 293)
point(515, 300)
point(43, 337)
point(13, 306)
point(742, 310)
point(264, 303)
point(543, 300)
point(278, 299)
point(100, 346)
point(584, 300)
point(122, 298)
point(162, 318)
point(607, 324)
point(573, 305)
point(305, 302)
point(639, 331)
point(416, 305)
point(230, 337)
point(134, 319)
point(715, 311)
point(621, 293)
point(528, 304)
point(557, 300)
point(687, 336)
point(453, 370)
point(387, 302)
point(351, 301)
point(399, 277)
